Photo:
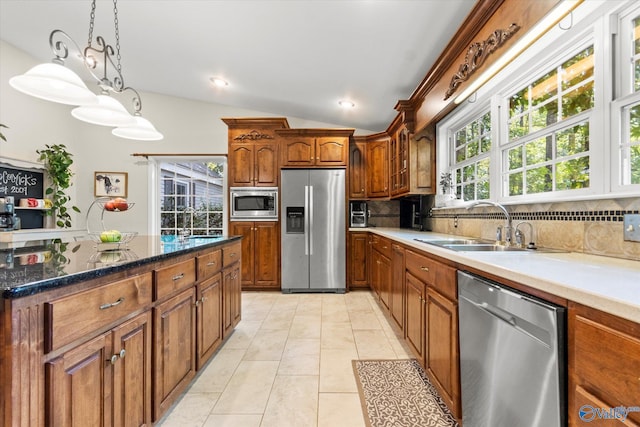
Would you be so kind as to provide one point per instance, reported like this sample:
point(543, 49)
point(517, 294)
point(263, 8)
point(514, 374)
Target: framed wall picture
point(111, 184)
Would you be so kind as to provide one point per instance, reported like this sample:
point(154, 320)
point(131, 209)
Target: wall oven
point(253, 203)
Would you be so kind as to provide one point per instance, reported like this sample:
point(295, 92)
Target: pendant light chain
point(115, 22)
point(92, 18)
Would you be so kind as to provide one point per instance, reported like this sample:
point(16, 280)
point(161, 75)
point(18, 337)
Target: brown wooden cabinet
point(260, 253)
point(253, 164)
point(314, 147)
point(231, 300)
point(378, 167)
point(604, 365)
point(381, 275)
point(209, 318)
point(105, 381)
point(357, 169)
point(399, 162)
point(397, 285)
point(358, 266)
point(415, 303)
point(174, 349)
point(253, 152)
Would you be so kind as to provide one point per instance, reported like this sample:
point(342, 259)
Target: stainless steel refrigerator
point(313, 230)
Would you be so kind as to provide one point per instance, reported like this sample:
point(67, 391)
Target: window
point(192, 196)
point(471, 148)
point(547, 151)
point(626, 109)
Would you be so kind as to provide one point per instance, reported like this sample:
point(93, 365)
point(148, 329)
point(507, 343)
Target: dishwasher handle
point(535, 332)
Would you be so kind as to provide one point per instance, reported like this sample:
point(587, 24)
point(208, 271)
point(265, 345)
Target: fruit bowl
point(125, 237)
point(115, 205)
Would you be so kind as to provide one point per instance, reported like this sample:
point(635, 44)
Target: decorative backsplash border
point(591, 216)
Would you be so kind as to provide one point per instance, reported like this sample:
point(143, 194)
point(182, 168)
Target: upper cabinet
point(378, 166)
point(314, 147)
point(357, 168)
point(254, 152)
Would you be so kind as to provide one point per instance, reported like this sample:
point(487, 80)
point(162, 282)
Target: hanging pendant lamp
point(107, 112)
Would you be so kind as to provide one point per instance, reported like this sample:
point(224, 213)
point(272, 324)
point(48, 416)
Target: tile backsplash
point(384, 214)
point(593, 227)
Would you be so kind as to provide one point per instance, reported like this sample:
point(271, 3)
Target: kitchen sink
point(479, 245)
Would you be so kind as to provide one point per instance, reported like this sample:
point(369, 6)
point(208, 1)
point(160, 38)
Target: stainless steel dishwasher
point(512, 357)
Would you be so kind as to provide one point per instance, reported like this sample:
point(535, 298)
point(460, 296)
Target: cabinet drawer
point(420, 266)
point(178, 276)
point(209, 264)
point(78, 315)
point(231, 254)
point(381, 245)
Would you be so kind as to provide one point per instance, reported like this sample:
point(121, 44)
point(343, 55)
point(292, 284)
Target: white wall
point(189, 127)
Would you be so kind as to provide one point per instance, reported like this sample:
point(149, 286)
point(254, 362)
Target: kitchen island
point(96, 334)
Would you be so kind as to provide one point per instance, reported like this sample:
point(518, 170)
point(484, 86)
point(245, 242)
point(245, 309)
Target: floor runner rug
point(397, 393)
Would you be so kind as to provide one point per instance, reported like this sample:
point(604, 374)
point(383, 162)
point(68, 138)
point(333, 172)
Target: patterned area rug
point(397, 393)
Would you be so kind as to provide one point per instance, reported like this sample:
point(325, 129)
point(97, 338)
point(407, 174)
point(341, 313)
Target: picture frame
point(110, 184)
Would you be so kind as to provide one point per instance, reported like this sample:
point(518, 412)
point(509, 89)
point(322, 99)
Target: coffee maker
point(7, 215)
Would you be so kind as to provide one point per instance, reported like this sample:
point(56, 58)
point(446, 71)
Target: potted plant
point(2, 137)
point(57, 161)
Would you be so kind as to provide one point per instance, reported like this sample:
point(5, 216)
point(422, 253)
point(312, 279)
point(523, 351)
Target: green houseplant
point(57, 161)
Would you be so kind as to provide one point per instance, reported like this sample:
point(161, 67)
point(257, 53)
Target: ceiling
point(286, 57)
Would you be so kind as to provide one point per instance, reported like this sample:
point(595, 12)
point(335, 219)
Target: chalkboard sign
point(23, 184)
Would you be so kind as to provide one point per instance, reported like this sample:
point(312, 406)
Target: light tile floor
point(288, 363)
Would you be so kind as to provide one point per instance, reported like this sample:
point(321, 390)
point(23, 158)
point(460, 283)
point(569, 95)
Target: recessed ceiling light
point(220, 82)
point(346, 104)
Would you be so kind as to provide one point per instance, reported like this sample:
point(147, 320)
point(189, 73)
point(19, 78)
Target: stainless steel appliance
point(253, 203)
point(512, 357)
point(313, 230)
point(358, 214)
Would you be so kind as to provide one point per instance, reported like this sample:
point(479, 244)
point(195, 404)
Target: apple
point(121, 204)
point(110, 236)
point(110, 205)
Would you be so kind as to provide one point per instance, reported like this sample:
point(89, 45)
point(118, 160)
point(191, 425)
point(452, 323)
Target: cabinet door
point(132, 372)
point(231, 298)
point(245, 229)
point(402, 160)
point(298, 151)
point(236, 297)
point(604, 365)
point(385, 276)
point(266, 170)
point(358, 245)
point(415, 320)
point(393, 165)
point(331, 151)
point(397, 286)
point(357, 171)
point(441, 348)
point(378, 169)
point(267, 255)
point(175, 349)
point(78, 386)
point(241, 165)
point(209, 318)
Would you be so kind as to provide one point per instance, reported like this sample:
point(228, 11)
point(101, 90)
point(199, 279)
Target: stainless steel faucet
point(508, 224)
point(184, 233)
point(520, 237)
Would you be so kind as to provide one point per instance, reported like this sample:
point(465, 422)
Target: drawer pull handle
point(122, 353)
point(424, 268)
point(113, 359)
point(178, 277)
point(232, 254)
point(210, 264)
point(111, 304)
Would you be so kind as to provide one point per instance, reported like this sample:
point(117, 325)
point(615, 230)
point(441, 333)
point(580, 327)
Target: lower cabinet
point(414, 328)
point(209, 318)
point(358, 266)
point(174, 349)
point(604, 367)
point(231, 299)
point(397, 285)
point(260, 253)
point(105, 381)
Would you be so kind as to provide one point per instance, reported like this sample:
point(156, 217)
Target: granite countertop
point(47, 265)
point(608, 284)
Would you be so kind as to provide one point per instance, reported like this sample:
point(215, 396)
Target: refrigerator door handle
point(310, 232)
point(306, 220)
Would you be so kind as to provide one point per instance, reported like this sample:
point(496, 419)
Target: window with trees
point(191, 197)
point(471, 147)
point(548, 137)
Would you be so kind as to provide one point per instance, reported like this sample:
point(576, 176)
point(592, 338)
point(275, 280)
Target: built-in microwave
point(253, 203)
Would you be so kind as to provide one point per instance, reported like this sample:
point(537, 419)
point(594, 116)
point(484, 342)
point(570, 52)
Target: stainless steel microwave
point(253, 203)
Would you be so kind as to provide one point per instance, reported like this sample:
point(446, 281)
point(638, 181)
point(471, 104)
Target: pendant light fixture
point(57, 83)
